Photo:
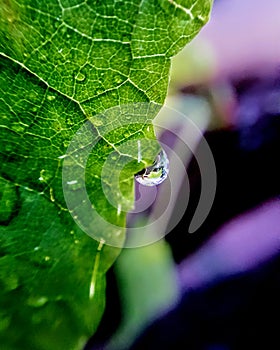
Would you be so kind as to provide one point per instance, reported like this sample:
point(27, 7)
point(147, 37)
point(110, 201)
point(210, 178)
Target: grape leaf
point(64, 62)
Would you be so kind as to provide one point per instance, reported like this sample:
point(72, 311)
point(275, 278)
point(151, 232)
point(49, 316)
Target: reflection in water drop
point(156, 173)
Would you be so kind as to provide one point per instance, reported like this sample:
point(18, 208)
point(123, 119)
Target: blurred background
point(219, 287)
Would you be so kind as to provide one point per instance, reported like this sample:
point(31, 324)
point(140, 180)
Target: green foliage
point(64, 62)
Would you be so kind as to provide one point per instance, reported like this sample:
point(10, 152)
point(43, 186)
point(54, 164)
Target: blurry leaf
point(148, 286)
point(62, 63)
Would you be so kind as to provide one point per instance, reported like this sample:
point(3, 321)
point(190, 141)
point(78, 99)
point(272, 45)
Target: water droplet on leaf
point(63, 30)
point(80, 77)
point(118, 79)
point(37, 301)
point(17, 127)
point(66, 143)
point(156, 173)
point(51, 97)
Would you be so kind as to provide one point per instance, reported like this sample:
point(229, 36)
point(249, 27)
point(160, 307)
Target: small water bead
point(37, 301)
point(156, 173)
point(80, 77)
point(51, 97)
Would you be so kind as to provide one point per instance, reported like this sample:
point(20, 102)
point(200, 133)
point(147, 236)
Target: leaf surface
point(65, 62)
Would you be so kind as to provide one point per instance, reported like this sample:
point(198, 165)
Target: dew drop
point(63, 30)
point(80, 77)
point(51, 97)
point(118, 79)
point(37, 301)
point(70, 122)
point(156, 173)
point(17, 127)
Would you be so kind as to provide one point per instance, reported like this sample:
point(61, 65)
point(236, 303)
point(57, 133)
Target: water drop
point(51, 97)
point(57, 23)
point(65, 143)
point(63, 30)
point(70, 122)
point(80, 77)
point(118, 79)
point(37, 301)
point(43, 59)
point(17, 127)
point(156, 173)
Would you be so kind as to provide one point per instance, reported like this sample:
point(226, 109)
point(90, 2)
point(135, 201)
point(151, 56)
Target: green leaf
point(147, 285)
point(64, 62)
